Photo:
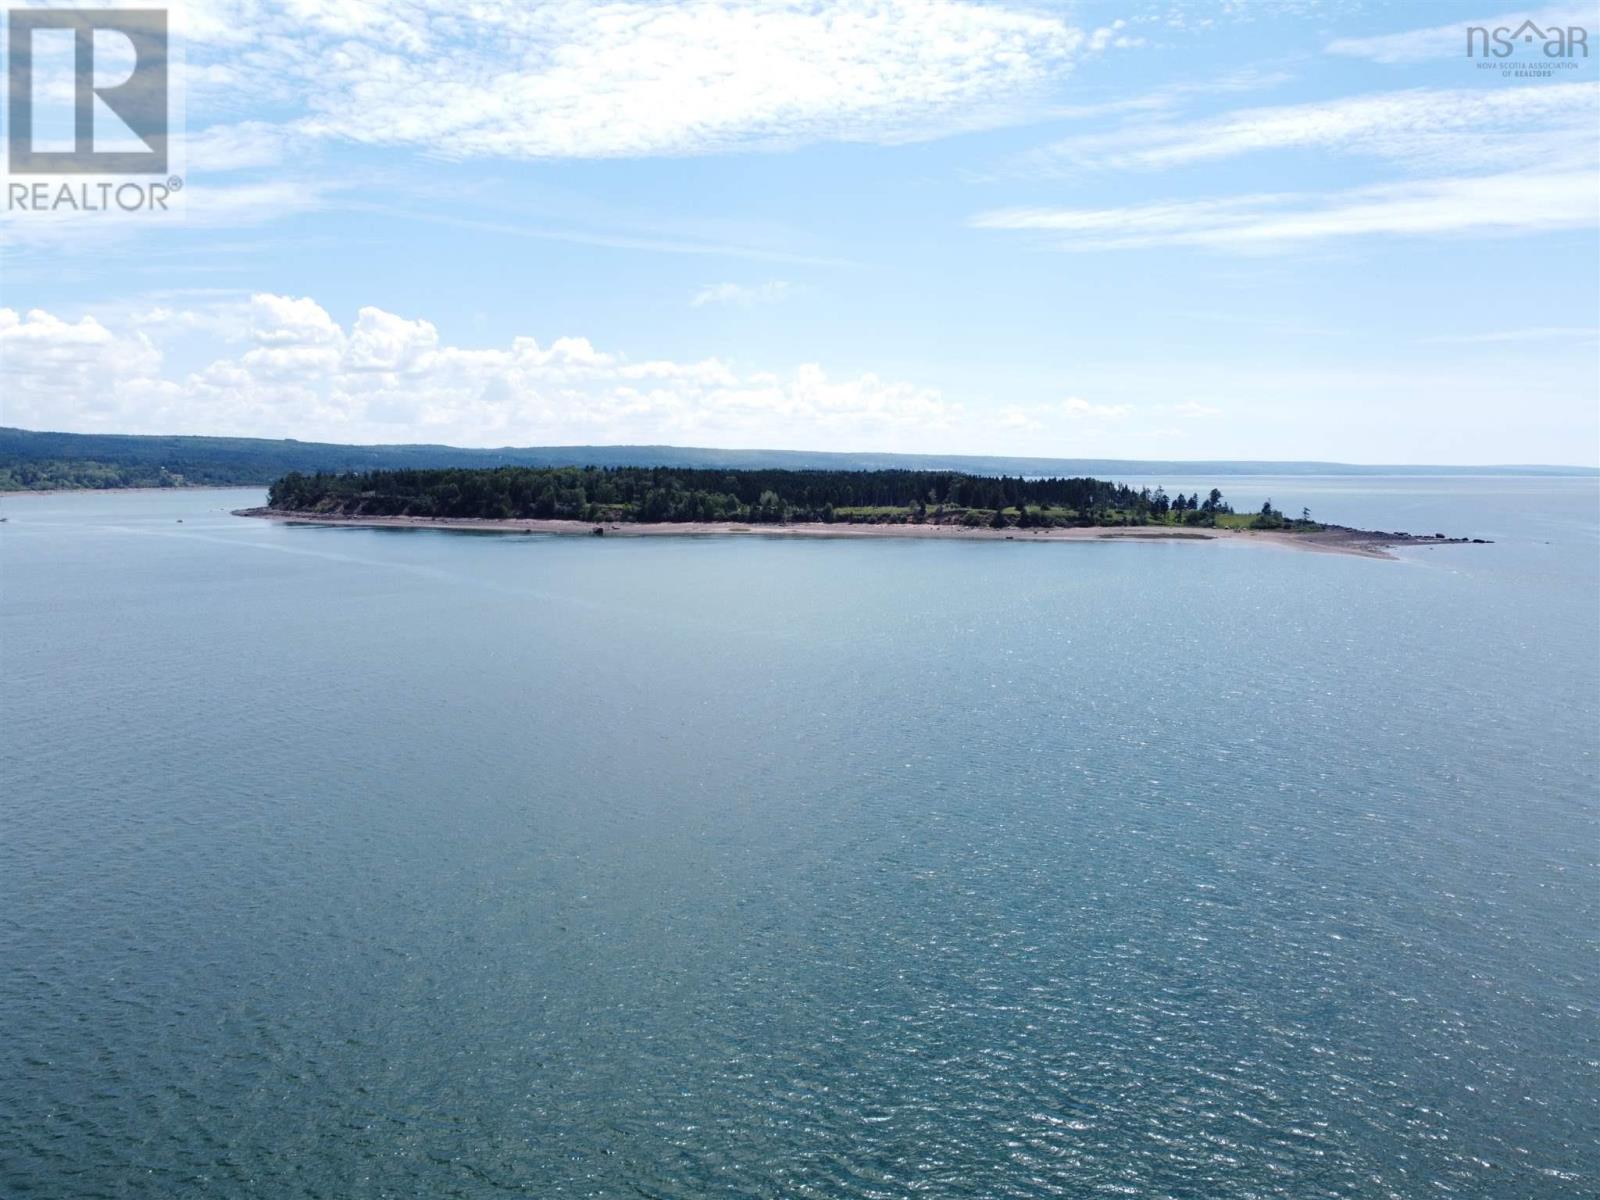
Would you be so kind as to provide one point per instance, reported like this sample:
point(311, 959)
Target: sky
point(1224, 230)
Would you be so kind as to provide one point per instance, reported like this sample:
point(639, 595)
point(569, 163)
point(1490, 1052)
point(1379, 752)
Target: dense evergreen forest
point(651, 494)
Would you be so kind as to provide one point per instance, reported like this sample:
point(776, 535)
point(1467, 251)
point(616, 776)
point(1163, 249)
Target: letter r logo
point(139, 101)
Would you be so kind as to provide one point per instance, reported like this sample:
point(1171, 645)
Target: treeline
point(663, 494)
point(50, 475)
point(34, 459)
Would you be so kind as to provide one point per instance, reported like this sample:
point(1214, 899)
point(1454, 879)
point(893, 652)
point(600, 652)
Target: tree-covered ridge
point(87, 474)
point(32, 460)
point(663, 494)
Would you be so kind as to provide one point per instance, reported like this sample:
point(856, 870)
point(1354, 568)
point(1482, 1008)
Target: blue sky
point(1290, 230)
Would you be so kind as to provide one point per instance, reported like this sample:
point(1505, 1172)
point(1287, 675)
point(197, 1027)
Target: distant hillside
point(46, 461)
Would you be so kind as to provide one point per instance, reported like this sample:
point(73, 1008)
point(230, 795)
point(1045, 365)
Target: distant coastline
point(117, 491)
point(37, 461)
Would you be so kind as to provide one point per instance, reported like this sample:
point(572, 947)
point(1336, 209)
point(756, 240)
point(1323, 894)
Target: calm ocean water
point(354, 863)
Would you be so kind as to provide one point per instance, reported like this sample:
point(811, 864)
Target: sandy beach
point(1333, 540)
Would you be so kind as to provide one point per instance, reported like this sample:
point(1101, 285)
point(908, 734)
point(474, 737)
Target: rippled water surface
point(352, 863)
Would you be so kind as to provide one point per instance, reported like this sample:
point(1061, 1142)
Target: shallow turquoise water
point(375, 863)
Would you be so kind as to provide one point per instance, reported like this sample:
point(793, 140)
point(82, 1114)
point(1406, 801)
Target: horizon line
point(910, 454)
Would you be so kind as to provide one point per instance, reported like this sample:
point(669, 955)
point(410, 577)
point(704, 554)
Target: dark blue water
point(352, 863)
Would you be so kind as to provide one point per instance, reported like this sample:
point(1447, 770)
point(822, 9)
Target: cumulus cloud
point(42, 352)
point(283, 366)
point(296, 371)
point(52, 366)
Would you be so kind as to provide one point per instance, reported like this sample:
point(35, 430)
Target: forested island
point(645, 500)
point(829, 503)
point(661, 495)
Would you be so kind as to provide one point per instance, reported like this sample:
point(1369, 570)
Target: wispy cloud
point(742, 295)
point(1171, 95)
point(246, 145)
point(1077, 412)
point(1421, 127)
point(616, 240)
point(1077, 408)
point(566, 79)
point(1441, 41)
point(1503, 204)
point(203, 206)
point(1548, 333)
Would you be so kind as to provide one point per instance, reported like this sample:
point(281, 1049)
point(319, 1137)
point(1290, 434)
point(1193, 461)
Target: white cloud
point(381, 341)
point(244, 146)
point(741, 294)
point(1532, 148)
point(290, 321)
point(49, 365)
point(1446, 128)
point(1442, 41)
point(385, 377)
point(1504, 204)
point(1075, 411)
point(43, 351)
point(1171, 96)
point(197, 206)
point(289, 368)
point(566, 79)
point(1548, 333)
point(279, 366)
point(1077, 408)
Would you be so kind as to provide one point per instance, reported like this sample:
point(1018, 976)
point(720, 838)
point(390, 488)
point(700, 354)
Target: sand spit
point(1331, 540)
